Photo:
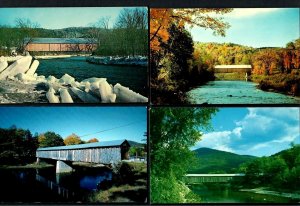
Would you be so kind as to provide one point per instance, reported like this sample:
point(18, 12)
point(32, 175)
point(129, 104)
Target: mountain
point(215, 161)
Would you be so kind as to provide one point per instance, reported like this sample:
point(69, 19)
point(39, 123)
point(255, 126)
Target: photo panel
point(74, 55)
point(225, 56)
point(63, 155)
point(241, 155)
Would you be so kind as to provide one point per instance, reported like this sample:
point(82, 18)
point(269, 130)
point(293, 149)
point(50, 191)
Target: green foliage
point(214, 161)
point(173, 131)
point(50, 139)
point(16, 146)
point(280, 171)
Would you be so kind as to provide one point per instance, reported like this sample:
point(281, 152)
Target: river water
point(213, 194)
point(45, 186)
point(133, 77)
point(236, 92)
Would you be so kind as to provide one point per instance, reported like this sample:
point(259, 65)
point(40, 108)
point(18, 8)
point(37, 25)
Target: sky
point(253, 131)
point(58, 18)
point(79, 120)
point(256, 27)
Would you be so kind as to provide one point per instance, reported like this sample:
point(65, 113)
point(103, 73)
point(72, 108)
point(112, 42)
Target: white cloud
point(247, 12)
point(237, 131)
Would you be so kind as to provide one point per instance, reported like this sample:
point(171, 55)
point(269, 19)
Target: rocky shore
point(19, 83)
point(128, 61)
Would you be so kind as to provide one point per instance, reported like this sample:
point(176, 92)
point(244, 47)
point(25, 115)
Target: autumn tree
point(72, 139)
point(162, 18)
point(50, 139)
point(93, 140)
point(265, 61)
point(173, 131)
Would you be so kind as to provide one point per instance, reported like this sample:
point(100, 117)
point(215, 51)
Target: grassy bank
point(230, 76)
point(129, 184)
point(279, 82)
point(27, 166)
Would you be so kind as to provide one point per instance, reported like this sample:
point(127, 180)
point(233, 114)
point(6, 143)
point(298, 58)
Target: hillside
point(215, 161)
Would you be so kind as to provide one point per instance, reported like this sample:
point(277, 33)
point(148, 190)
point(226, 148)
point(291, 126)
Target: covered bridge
point(60, 45)
point(201, 178)
point(233, 68)
point(106, 152)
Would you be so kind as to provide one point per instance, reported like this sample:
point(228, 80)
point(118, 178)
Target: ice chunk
point(106, 92)
point(65, 96)
point(33, 67)
point(124, 94)
point(51, 79)
point(52, 98)
point(3, 65)
point(41, 78)
point(19, 66)
point(87, 87)
point(24, 77)
point(93, 80)
point(85, 97)
point(66, 79)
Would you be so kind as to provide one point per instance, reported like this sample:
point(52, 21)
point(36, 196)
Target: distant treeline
point(279, 171)
point(128, 36)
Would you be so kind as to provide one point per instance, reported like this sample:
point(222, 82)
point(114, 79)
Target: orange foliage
point(162, 18)
point(93, 140)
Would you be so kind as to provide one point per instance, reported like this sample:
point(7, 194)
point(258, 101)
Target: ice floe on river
point(21, 74)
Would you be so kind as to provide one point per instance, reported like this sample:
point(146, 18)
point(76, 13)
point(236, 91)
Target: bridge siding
point(93, 155)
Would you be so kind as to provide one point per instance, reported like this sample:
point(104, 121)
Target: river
point(133, 77)
point(213, 194)
point(236, 92)
point(44, 185)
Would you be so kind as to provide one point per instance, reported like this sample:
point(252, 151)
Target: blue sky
point(253, 131)
point(57, 18)
point(256, 27)
point(79, 120)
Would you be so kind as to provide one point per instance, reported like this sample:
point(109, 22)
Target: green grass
point(27, 166)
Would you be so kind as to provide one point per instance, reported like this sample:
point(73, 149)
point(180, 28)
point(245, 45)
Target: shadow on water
point(129, 76)
point(44, 185)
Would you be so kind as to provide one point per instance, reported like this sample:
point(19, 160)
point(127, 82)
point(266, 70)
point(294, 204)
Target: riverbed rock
point(124, 94)
point(3, 65)
point(33, 67)
point(19, 66)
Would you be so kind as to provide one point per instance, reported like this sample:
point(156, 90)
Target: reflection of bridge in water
point(65, 193)
point(202, 178)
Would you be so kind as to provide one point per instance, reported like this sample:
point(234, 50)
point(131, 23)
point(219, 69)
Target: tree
point(27, 30)
point(265, 61)
point(72, 140)
point(161, 19)
point(93, 140)
point(50, 139)
point(173, 131)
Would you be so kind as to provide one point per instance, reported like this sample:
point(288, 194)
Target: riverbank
point(288, 84)
point(28, 166)
point(129, 184)
point(141, 61)
point(267, 191)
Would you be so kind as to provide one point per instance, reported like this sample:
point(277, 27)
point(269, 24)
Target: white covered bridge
point(201, 178)
point(106, 152)
point(233, 68)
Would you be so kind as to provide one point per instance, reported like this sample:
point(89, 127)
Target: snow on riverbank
point(20, 83)
point(129, 61)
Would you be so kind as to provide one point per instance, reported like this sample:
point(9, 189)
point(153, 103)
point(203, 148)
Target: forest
point(127, 37)
point(279, 171)
point(178, 63)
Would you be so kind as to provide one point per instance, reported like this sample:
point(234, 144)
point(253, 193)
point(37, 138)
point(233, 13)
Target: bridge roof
point(114, 143)
point(60, 40)
point(241, 66)
point(214, 175)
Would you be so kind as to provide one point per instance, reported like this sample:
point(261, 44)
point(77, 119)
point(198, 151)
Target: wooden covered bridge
point(202, 178)
point(106, 152)
point(232, 68)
